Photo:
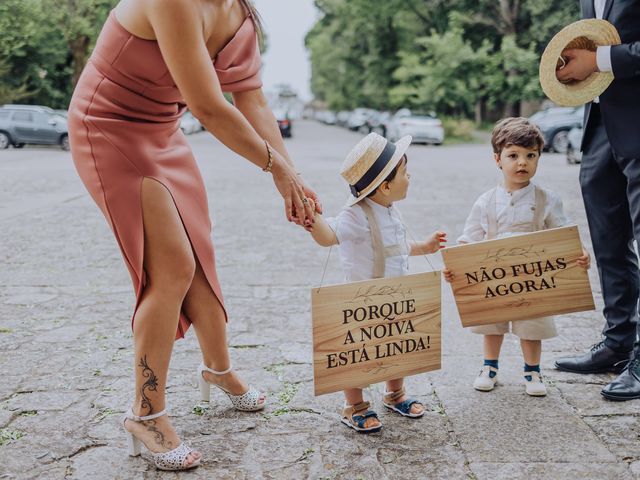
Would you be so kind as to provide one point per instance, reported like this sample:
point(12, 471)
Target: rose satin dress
point(124, 125)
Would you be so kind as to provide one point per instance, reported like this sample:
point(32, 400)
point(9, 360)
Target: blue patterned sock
point(530, 368)
point(491, 363)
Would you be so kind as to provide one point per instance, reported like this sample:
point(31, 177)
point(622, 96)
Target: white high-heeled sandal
point(172, 460)
point(247, 402)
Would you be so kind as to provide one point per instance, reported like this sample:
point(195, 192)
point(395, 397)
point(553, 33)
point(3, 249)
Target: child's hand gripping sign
point(519, 278)
point(375, 330)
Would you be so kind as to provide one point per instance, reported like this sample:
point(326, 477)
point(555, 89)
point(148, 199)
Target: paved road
point(65, 341)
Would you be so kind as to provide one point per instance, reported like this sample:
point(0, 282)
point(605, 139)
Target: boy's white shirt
point(511, 209)
point(356, 249)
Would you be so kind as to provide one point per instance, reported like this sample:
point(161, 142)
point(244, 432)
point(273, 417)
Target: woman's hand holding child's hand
point(316, 209)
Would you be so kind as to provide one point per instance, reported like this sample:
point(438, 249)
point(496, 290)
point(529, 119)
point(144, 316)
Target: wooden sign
point(519, 278)
point(367, 332)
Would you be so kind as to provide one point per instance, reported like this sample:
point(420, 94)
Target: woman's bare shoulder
point(140, 16)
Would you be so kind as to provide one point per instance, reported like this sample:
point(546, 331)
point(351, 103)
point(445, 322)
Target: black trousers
point(611, 192)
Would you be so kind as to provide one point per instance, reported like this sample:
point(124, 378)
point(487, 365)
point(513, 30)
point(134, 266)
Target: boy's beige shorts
point(536, 329)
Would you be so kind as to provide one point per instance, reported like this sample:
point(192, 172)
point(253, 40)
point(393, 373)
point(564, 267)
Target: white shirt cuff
point(603, 58)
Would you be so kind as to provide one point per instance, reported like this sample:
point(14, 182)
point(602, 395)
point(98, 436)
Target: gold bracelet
point(270, 163)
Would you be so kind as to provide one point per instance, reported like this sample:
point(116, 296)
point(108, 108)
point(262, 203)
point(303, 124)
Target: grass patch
point(277, 369)
point(105, 412)
point(290, 390)
point(6, 330)
point(29, 413)
point(286, 411)
point(7, 436)
point(199, 410)
point(305, 455)
point(247, 346)
point(284, 398)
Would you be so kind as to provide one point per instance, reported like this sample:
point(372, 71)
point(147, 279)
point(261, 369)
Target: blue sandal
point(390, 400)
point(355, 416)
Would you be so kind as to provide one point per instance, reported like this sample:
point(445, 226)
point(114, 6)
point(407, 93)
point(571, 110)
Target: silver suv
point(22, 124)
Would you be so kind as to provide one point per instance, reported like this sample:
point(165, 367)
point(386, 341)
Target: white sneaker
point(535, 386)
point(484, 382)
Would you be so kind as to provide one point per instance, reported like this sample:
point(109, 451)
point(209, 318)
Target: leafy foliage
point(44, 45)
point(458, 57)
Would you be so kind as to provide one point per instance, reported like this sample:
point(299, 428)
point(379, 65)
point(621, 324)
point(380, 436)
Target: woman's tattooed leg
point(151, 385)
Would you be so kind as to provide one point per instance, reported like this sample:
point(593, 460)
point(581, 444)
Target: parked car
point(358, 119)
point(342, 118)
point(189, 124)
point(33, 124)
point(423, 127)
point(574, 155)
point(555, 124)
point(378, 123)
point(284, 122)
point(19, 106)
point(326, 116)
point(551, 111)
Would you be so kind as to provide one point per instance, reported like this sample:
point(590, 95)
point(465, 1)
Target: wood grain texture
point(396, 321)
point(541, 277)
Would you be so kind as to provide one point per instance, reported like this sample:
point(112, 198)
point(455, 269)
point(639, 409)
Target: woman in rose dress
point(153, 59)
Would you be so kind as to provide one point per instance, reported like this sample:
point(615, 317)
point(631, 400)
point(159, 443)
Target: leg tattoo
point(151, 385)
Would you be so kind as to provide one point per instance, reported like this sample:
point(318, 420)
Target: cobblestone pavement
point(66, 357)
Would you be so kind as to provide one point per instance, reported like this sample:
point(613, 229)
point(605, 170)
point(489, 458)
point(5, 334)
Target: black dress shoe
point(627, 385)
point(599, 359)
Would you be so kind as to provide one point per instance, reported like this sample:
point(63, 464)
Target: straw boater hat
point(370, 162)
point(584, 34)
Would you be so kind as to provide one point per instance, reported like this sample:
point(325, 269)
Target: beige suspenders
point(538, 217)
point(380, 252)
point(492, 220)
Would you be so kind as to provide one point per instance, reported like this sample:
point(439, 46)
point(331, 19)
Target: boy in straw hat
point(515, 206)
point(373, 244)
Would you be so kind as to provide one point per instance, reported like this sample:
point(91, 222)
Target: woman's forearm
point(231, 127)
point(258, 113)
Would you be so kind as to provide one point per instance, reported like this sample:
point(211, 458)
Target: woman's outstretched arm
point(255, 108)
point(178, 28)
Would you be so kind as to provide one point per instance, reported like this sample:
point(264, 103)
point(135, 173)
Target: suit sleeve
point(625, 60)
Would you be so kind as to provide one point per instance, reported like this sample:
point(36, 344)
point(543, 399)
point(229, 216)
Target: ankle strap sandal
point(172, 460)
point(249, 401)
point(390, 400)
point(355, 416)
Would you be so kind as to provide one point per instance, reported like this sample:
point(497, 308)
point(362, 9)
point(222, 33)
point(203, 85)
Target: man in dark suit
point(610, 181)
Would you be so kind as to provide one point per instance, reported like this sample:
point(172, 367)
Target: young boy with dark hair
point(515, 206)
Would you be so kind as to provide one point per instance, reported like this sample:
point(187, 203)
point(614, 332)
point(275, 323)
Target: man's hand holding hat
point(578, 81)
point(579, 65)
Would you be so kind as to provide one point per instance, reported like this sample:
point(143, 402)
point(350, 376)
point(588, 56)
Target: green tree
point(31, 52)
point(8, 92)
point(459, 57)
point(44, 45)
point(443, 73)
point(79, 22)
